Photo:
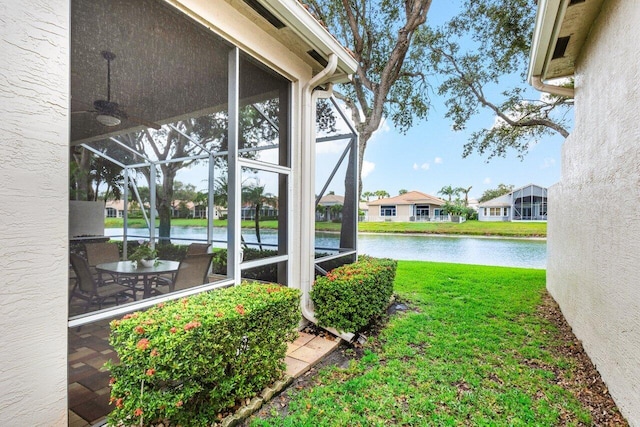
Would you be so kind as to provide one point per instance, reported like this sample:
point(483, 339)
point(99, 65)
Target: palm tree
point(381, 194)
point(255, 195)
point(466, 194)
point(448, 191)
point(402, 191)
point(367, 194)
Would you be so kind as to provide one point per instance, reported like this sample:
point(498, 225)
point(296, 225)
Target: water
point(528, 253)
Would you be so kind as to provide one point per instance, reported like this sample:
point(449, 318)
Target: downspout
point(536, 82)
point(310, 97)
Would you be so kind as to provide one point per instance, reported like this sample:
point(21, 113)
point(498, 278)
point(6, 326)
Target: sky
point(429, 156)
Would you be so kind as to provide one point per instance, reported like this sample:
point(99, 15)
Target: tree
point(366, 195)
point(465, 191)
point(108, 173)
point(255, 195)
point(336, 211)
point(496, 36)
point(495, 192)
point(449, 191)
point(402, 191)
point(381, 194)
point(390, 80)
point(457, 208)
point(184, 192)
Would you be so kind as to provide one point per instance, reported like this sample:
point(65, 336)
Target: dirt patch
point(583, 381)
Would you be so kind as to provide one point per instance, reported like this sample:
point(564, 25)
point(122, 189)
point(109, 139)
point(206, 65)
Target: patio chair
point(99, 253)
point(192, 272)
point(90, 290)
point(197, 248)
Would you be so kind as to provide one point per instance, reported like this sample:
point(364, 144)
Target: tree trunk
point(83, 181)
point(257, 221)
point(348, 233)
point(164, 206)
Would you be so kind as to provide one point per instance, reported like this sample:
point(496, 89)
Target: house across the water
point(410, 206)
point(528, 203)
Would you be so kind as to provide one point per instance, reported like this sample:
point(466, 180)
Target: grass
point(470, 228)
point(472, 352)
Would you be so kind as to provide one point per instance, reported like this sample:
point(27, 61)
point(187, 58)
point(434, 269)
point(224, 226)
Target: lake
point(530, 253)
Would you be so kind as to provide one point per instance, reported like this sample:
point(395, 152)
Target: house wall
point(403, 213)
point(594, 225)
point(34, 252)
point(488, 218)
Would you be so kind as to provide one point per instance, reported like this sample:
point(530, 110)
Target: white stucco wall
point(34, 91)
point(594, 212)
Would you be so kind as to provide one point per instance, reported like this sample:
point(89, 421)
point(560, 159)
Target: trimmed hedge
point(349, 297)
point(186, 361)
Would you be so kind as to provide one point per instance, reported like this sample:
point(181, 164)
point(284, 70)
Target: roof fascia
point(299, 20)
point(548, 21)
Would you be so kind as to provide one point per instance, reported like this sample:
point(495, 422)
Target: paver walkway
point(306, 351)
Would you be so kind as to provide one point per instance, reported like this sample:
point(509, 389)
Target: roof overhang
point(301, 27)
point(561, 28)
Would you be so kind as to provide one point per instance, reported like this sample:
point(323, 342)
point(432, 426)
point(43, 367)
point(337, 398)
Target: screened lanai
point(158, 98)
point(156, 94)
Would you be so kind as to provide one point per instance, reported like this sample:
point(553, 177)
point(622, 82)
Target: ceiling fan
point(109, 113)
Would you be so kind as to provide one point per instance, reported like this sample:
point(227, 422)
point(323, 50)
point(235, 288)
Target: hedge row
point(349, 297)
point(186, 361)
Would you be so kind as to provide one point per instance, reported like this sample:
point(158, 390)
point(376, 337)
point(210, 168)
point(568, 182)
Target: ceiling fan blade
point(83, 111)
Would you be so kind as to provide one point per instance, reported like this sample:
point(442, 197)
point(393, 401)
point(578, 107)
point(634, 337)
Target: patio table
point(129, 269)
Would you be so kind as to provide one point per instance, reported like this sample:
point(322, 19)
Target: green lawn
point(471, 352)
point(472, 228)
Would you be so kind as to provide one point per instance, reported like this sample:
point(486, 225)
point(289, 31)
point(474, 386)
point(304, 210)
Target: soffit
point(301, 33)
point(572, 27)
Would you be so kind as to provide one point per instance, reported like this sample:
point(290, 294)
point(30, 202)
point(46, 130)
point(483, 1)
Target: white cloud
point(425, 166)
point(329, 147)
point(367, 168)
point(415, 166)
point(487, 180)
point(548, 162)
point(438, 160)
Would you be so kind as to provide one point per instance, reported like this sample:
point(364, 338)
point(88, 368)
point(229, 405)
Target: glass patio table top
point(130, 269)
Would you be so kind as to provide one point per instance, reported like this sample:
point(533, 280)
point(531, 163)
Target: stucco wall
point(34, 78)
point(594, 212)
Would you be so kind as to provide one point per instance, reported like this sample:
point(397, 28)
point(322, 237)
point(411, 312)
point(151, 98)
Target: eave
point(308, 30)
point(561, 28)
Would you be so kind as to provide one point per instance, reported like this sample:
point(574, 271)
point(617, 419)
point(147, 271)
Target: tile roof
point(332, 199)
point(409, 198)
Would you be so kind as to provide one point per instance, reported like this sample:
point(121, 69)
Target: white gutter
point(545, 35)
point(310, 97)
point(537, 83)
